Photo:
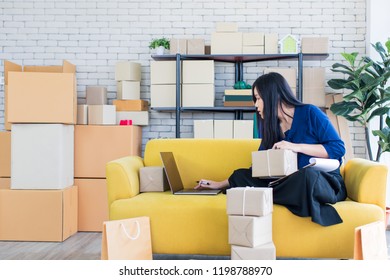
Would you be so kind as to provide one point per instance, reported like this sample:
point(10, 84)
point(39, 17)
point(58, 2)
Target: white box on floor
point(138, 117)
point(128, 90)
point(223, 129)
point(42, 156)
point(204, 129)
point(243, 129)
point(249, 201)
point(101, 114)
point(262, 252)
point(250, 231)
point(82, 114)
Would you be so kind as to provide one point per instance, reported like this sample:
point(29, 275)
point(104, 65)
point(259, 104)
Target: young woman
point(287, 123)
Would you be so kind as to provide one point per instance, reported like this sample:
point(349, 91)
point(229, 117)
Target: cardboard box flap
point(67, 67)
point(43, 69)
point(10, 67)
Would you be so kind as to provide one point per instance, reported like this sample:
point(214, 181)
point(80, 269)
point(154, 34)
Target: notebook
point(174, 179)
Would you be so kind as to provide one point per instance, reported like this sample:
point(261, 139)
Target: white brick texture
point(94, 35)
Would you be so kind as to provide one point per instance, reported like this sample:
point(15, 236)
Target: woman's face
point(259, 103)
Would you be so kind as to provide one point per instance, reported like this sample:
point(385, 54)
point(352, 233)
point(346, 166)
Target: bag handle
point(128, 235)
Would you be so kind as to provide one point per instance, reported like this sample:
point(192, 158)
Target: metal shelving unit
point(238, 60)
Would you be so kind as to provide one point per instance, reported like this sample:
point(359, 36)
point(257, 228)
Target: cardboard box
point(128, 90)
point(198, 72)
point(226, 27)
point(162, 72)
point(82, 114)
point(253, 39)
point(153, 179)
point(178, 46)
point(42, 156)
point(252, 49)
point(127, 71)
point(271, 43)
point(195, 46)
point(249, 201)
point(5, 154)
point(7, 124)
point(198, 95)
point(223, 129)
point(314, 86)
point(102, 114)
point(290, 74)
point(262, 252)
point(273, 163)
point(38, 215)
point(226, 43)
point(238, 104)
point(250, 231)
point(314, 44)
point(10, 67)
point(138, 117)
point(204, 129)
point(162, 96)
point(96, 145)
point(42, 97)
point(96, 95)
point(131, 105)
point(92, 204)
point(243, 129)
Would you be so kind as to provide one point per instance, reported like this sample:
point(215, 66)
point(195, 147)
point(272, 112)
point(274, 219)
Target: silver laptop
point(174, 179)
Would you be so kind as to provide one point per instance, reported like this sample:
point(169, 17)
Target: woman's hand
point(208, 184)
point(314, 150)
point(285, 145)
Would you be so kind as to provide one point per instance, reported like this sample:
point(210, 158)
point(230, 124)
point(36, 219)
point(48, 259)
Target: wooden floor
point(81, 246)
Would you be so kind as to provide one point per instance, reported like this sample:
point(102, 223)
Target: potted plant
point(368, 96)
point(160, 45)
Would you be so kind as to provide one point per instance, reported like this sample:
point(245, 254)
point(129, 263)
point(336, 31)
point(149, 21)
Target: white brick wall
point(94, 35)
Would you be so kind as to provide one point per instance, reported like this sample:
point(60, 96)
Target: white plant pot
point(160, 50)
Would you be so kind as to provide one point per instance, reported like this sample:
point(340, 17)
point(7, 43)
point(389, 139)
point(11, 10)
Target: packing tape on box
point(268, 165)
point(267, 198)
point(244, 199)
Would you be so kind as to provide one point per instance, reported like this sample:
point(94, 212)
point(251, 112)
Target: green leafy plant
point(367, 96)
point(164, 42)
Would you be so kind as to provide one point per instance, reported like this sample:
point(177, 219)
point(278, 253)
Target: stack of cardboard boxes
point(39, 201)
point(197, 85)
point(128, 104)
point(238, 98)
point(187, 46)
point(223, 129)
point(250, 223)
point(99, 112)
point(227, 40)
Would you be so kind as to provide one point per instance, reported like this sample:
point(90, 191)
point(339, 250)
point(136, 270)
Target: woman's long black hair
point(273, 90)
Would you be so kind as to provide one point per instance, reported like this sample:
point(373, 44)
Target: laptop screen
point(171, 171)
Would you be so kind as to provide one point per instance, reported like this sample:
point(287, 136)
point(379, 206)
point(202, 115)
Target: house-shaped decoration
point(288, 44)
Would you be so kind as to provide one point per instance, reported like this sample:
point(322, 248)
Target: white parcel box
point(273, 163)
point(262, 252)
point(249, 201)
point(250, 231)
point(42, 156)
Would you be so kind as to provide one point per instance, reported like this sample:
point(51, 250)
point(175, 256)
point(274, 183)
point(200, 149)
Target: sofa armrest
point(366, 181)
point(122, 177)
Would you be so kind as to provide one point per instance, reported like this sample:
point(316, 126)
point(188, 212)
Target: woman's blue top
point(311, 126)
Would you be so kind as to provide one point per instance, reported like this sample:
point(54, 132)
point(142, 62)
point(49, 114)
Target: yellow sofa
point(199, 224)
